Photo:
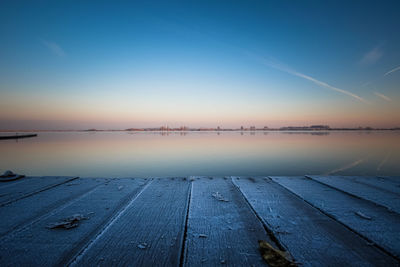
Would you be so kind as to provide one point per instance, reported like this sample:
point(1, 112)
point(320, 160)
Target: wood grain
point(313, 238)
point(39, 246)
point(386, 199)
point(16, 215)
point(382, 227)
point(148, 232)
point(29, 186)
point(222, 229)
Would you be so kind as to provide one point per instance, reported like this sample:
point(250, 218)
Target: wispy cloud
point(54, 48)
point(383, 96)
point(372, 56)
point(391, 71)
point(286, 69)
point(366, 84)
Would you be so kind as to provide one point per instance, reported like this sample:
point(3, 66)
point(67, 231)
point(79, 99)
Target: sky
point(124, 64)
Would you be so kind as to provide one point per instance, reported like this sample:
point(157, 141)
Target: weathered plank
point(5, 184)
point(312, 238)
point(395, 180)
point(386, 199)
point(371, 221)
point(29, 186)
point(6, 137)
point(377, 183)
point(18, 214)
point(221, 228)
point(148, 232)
point(38, 245)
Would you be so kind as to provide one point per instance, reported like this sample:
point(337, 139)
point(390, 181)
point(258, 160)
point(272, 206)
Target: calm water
point(122, 154)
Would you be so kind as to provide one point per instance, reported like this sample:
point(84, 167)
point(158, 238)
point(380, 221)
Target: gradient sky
point(82, 64)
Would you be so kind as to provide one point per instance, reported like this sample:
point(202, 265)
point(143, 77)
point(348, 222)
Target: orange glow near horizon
point(113, 115)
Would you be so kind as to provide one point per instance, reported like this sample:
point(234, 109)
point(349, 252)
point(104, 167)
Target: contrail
point(383, 96)
point(391, 71)
point(345, 167)
point(311, 79)
point(53, 47)
point(323, 84)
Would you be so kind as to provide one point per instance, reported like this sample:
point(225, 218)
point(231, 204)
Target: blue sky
point(120, 64)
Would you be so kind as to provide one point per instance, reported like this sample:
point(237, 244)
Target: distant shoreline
point(212, 130)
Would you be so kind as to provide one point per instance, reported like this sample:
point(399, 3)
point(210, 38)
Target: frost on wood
point(219, 197)
point(68, 223)
point(362, 215)
point(143, 245)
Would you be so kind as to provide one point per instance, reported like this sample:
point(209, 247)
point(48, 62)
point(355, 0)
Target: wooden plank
point(391, 179)
point(221, 228)
point(12, 182)
point(28, 187)
point(371, 221)
point(311, 237)
point(149, 231)
point(6, 137)
point(24, 212)
point(38, 245)
point(386, 199)
point(377, 183)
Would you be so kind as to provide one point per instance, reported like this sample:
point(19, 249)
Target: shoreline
point(225, 130)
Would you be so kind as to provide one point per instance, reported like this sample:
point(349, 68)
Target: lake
point(144, 154)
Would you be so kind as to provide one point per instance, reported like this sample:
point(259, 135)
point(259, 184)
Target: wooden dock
point(199, 221)
point(17, 136)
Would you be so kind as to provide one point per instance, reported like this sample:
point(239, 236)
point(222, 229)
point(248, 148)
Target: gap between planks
point(81, 254)
point(38, 191)
point(332, 216)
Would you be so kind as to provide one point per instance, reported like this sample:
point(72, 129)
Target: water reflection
point(137, 154)
point(345, 167)
point(384, 161)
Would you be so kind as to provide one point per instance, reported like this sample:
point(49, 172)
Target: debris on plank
point(68, 223)
point(275, 257)
point(219, 197)
point(74, 182)
point(120, 187)
point(143, 245)
point(283, 232)
point(370, 243)
point(362, 215)
point(251, 179)
point(202, 236)
point(71, 184)
point(10, 176)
